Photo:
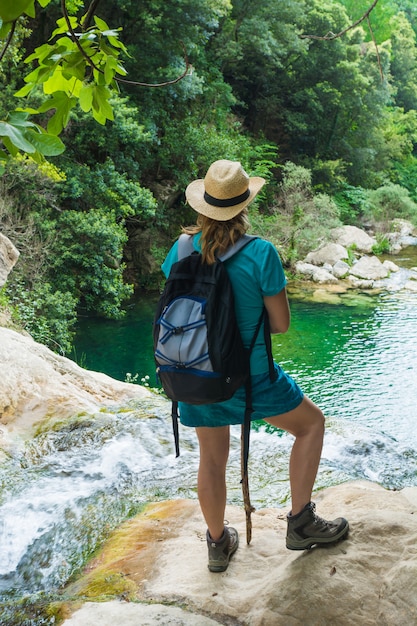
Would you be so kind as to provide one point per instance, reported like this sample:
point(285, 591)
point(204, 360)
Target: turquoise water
point(357, 361)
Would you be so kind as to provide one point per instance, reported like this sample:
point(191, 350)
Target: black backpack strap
point(249, 407)
point(245, 436)
point(174, 415)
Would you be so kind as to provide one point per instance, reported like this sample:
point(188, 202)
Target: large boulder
point(316, 274)
point(159, 558)
point(8, 258)
point(329, 253)
point(36, 383)
point(352, 236)
point(369, 268)
point(402, 234)
point(324, 276)
point(307, 269)
point(341, 269)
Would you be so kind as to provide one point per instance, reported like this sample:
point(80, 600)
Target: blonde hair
point(217, 237)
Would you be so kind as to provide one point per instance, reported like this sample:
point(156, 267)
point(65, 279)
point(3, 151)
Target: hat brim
point(195, 198)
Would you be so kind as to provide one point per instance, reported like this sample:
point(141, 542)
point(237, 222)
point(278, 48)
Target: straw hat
point(224, 192)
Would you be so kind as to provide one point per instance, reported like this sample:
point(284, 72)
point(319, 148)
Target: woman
point(221, 200)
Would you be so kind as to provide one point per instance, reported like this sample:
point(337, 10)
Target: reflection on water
point(63, 494)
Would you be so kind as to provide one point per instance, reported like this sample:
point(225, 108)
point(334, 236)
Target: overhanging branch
point(330, 36)
point(116, 78)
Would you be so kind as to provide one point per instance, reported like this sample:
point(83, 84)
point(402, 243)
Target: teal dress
point(255, 271)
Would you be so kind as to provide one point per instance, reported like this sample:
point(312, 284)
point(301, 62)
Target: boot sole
point(307, 544)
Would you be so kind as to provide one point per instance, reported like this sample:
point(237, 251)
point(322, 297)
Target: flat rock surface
point(160, 558)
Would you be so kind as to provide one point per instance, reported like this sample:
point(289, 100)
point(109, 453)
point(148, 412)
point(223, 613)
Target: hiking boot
point(220, 552)
point(307, 529)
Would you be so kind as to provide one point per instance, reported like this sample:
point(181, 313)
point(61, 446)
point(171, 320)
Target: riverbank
point(348, 262)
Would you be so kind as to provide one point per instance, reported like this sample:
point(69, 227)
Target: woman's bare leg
point(306, 423)
point(214, 452)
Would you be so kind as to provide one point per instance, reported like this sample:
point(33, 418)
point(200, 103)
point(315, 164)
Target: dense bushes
point(301, 218)
point(389, 202)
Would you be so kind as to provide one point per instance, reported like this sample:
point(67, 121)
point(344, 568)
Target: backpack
point(199, 353)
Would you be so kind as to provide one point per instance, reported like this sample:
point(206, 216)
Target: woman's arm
point(278, 312)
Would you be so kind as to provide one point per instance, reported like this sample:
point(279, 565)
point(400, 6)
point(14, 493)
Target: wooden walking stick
point(245, 481)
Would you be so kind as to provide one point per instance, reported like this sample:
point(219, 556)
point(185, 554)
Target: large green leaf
point(25, 90)
point(63, 105)
point(101, 24)
point(30, 9)
point(9, 145)
point(63, 27)
point(20, 118)
point(86, 98)
point(57, 82)
point(16, 137)
point(46, 144)
point(10, 10)
point(102, 110)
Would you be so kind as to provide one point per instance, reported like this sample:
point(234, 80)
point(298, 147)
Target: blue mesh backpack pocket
point(182, 341)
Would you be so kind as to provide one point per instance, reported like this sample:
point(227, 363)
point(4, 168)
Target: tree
point(404, 62)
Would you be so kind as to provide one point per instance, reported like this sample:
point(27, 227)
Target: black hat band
point(228, 201)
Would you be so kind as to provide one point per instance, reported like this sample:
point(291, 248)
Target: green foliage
point(68, 258)
point(390, 202)
point(400, 138)
point(352, 203)
point(351, 250)
point(80, 65)
point(404, 62)
point(380, 16)
point(405, 174)
point(102, 186)
point(47, 315)
point(316, 99)
point(127, 141)
point(10, 10)
point(301, 218)
point(193, 147)
point(382, 245)
point(86, 260)
point(19, 135)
